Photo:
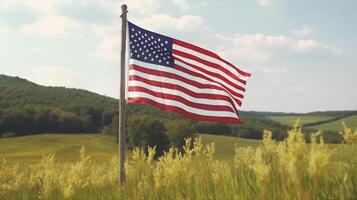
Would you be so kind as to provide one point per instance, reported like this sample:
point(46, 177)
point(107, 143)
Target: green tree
point(144, 131)
point(178, 130)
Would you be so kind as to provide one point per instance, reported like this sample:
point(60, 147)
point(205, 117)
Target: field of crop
point(337, 125)
point(290, 120)
point(273, 170)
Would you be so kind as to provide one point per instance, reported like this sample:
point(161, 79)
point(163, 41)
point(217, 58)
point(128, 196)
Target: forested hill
point(26, 107)
point(29, 108)
point(18, 92)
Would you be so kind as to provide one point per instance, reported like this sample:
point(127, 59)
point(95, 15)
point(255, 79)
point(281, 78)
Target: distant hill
point(29, 108)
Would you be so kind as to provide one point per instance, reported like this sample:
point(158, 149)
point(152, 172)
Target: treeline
point(43, 119)
point(28, 108)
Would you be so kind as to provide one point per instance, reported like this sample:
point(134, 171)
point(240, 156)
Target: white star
point(158, 39)
point(167, 62)
point(159, 61)
point(132, 29)
point(166, 42)
point(145, 58)
point(138, 56)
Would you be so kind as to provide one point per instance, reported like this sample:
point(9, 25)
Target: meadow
point(291, 169)
point(290, 120)
point(336, 125)
point(99, 147)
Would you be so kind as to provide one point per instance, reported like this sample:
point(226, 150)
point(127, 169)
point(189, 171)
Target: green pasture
point(290, 120)
point(66, 147)
point(30, 149)
point(351, 122)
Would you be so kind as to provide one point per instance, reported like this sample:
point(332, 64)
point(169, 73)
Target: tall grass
point(290, 169)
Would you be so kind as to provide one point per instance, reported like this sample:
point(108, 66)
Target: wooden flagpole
point(122, 101)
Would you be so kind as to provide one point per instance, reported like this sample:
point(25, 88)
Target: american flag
point(177, 76)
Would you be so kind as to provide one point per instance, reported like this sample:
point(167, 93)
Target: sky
point(302, 54)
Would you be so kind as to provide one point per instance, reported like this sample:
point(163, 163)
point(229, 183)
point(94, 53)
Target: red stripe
point(183, 89)
point(185, 70)
point(181, 100)
point(176, 77)
point(182, 111)
point(209, 53)
point(210, 64)
point(212, 74)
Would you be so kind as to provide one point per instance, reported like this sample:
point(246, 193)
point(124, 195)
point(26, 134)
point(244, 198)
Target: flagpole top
point(124, 8)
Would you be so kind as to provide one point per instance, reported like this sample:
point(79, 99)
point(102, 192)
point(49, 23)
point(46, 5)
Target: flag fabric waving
point(177, 76)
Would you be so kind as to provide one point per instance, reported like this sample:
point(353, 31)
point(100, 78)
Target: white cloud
point(261, 41)
point(38, 50)
point(166, 22)
point(182, 4)
point(142, 6)
point(108, 50)
point(54, 76)
point(304, 31)
point(42, 6)
point(4, 29)
point(53, 25)
point(265, 2)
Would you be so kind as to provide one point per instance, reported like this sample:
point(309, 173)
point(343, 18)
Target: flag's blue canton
point(150, 47)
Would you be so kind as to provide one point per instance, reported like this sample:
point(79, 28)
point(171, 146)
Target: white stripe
point(183, 106)
point(185, 75)
point(210, 69)
point(210, 59)
point(193, 88)
point(222, 83)
point(205, 101)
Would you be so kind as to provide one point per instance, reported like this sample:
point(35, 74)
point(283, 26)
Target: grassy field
point(66, 147)
point(351, 122)
point(291, 169)
point(29, 149)
point(290, 120)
